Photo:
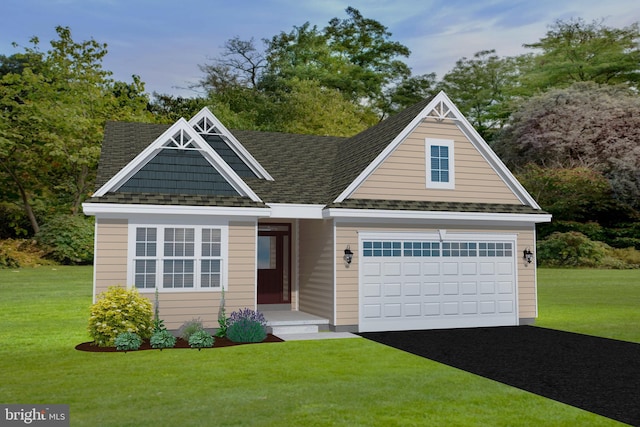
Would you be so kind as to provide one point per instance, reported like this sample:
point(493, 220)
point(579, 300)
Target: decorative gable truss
point(183, 137)
point(441, 108)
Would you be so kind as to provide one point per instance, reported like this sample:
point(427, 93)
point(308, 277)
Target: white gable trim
point(235, 145)
point(442, 108)
point(196, 143)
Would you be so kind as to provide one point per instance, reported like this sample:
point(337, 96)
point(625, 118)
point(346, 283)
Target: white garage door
point(423, 282)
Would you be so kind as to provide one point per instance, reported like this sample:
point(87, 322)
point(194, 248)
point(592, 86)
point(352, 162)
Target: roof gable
point(225, 143)
point(156, 166)
point(383, 141)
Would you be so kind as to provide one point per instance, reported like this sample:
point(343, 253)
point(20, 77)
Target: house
point(414, 223)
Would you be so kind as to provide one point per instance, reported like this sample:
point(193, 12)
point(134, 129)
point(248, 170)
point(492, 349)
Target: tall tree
point(240, 64)
point(480, 87)
point(576, 51)
point(354, 56)
point(52, 112)
point(585, 125)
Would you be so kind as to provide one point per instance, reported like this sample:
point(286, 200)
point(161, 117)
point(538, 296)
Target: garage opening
point(421, 281)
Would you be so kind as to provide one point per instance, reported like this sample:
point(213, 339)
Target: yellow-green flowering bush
point(120, 310)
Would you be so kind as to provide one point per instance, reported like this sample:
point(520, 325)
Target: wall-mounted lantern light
point(348, 255)
point(527, 255)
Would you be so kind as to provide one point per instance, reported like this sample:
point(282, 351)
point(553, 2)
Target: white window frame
point(160, 226)
point(430, 142)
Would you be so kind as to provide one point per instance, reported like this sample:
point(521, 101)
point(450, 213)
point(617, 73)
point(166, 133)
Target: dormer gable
point(179, 161)
point(433, 156)
point(227, 145)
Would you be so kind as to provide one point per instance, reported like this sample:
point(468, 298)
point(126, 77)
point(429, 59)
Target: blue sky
point(164, 41)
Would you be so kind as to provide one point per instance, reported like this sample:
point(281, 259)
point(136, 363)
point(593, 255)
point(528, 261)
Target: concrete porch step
point(294, 322)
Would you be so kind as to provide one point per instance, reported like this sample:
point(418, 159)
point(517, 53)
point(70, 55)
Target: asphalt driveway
point(595, 374)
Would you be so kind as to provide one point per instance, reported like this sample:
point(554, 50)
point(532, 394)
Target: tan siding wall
point(347, 277)
point(402, 176)
point(179, 307)
point(315, 265)
point(110, 254)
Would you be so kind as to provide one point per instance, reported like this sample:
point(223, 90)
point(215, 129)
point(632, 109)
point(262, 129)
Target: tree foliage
point(53, 107)
point(585, 125)
point(354, 57)
point(480, 87)
point(577, 51)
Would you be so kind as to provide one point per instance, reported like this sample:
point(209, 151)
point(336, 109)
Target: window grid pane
point(439, 163)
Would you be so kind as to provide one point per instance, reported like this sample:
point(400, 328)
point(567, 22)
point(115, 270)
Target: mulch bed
point(180, 343)
point(599, 375)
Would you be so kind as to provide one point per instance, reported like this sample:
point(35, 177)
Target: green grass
point(595, 302)
point(352, 382)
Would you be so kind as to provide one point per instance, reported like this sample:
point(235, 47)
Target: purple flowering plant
point(247, 325)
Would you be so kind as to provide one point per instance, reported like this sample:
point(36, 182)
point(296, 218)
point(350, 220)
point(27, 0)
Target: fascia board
point(107, 209)
point(236, 146)
point(435, 215)
point(298, 211)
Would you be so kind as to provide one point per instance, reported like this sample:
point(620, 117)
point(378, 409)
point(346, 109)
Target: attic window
point(440, 169)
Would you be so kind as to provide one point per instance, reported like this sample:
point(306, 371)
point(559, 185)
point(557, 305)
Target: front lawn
point(605, 303)
point(43, 313)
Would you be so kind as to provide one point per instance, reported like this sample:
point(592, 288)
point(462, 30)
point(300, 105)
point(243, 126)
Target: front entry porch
point(284, 321)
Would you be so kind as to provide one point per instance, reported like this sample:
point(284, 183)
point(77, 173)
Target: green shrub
point(162, 339)
point(189, 328)
point(201, 339)
point(120, 310)
point(68, 239)
point(571, 249)
point(630, 256)
point(128, 341)
point(247, 326)
point(16, 253)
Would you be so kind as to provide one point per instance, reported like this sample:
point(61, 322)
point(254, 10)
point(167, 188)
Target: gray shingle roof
point(306, 169)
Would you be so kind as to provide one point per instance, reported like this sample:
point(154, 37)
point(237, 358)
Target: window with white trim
point(440, 164)
point(178, 257)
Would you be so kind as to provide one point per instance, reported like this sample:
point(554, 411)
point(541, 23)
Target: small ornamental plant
point(222, 319)
point(162, 339)
point(201, 339)
point(158, 323)
point(247, 326)
point(128, 341)
point(189, 328)
point(120, 310)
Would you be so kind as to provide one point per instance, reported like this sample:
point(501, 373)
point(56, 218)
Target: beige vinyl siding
point(110, 265)
point(315, 266)
point(347, 303)
point(179, 307)
point(402, 176)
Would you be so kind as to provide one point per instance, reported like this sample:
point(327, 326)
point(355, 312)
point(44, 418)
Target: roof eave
point(380, 214)
point(114, 209)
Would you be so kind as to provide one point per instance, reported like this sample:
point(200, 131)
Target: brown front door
point(274, 261)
